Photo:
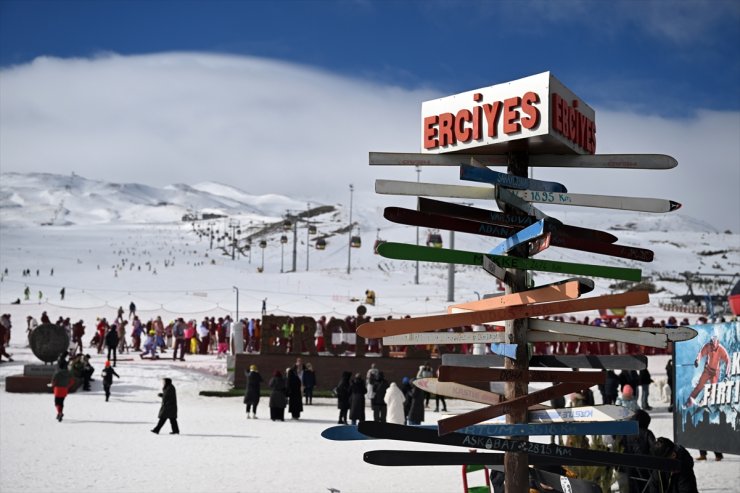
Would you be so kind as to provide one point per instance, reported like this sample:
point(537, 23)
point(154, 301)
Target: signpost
point(535, 121)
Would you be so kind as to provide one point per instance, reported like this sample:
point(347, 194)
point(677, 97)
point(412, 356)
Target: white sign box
point(536, 113)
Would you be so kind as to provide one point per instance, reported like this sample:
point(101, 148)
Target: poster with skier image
point(707, 389)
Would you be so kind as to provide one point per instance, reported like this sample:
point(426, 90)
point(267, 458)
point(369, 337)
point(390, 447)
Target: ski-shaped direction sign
point(601, 361)
point(613, 161)
point(485, 175)
point(527, 235)
point(554, 291)
point(403, 251)
point(514, 235)
point(448, 425)
point(417, 189)
point(632, 336)
point(458, 391)
point(468, 374)
point(440, 207)
point(382, 328)
point(640, 204)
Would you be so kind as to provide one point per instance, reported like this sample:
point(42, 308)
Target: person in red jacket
point(60, 383)
point(716, 354)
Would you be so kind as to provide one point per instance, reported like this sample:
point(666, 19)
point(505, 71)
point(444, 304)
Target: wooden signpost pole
point(516, 464)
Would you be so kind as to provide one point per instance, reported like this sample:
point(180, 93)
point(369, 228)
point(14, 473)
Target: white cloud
point(271, 127)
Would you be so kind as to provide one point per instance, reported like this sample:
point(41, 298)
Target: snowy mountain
point(105, 236)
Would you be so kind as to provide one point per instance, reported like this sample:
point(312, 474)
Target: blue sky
point(661, 57)
point(290, 96)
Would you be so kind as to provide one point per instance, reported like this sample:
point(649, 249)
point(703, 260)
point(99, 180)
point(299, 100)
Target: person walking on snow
point(60, 383)
point(108, 373)
point(168, 409)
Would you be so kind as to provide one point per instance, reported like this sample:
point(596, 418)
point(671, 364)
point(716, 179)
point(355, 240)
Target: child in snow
point(60, 383)
point(627, 399)
point(108, 373)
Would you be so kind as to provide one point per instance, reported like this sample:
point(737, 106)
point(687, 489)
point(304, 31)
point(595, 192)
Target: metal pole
point(308, 233)
point(451, 272)
point(237, 303)
point(349, 246)
point(282, 256)
point(295, 243)
point(416, 275)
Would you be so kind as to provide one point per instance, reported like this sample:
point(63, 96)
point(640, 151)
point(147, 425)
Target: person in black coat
point(295, 398)
point(252, 393)
point(645, 381)
point(108, 373)
point(416, 410)
point(342, 391)
point(111, 342)
point(168, 409)
point(278, 396)
point(377, 402)
point(633, 479)
point(309, 382)
point(357, 391)
point(681, 480)
point(611, 387)
point(407, 390)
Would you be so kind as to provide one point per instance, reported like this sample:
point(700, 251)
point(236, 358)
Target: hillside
point(110, 242)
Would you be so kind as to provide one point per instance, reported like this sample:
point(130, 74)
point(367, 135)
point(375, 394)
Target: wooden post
point(516, 464)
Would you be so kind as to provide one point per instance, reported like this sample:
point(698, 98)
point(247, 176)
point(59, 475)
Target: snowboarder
point(108, 373)
point(168, 409)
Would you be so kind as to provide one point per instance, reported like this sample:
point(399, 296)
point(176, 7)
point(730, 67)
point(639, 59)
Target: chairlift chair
point(320, 244)
point(434, 240)
point(356, 242)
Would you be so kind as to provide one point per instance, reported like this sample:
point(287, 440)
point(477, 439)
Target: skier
point(168, 409)
point(716, 355)
point(131, 310)
point(149, 346)
point(62, 293)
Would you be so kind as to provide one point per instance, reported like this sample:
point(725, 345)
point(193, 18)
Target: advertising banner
point(707, 389)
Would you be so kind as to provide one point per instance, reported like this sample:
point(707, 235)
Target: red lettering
point(533, 114)
point(462, 132)
point(492, 113)
point(557, 113)
point(511, 116)
point(572, 124)
point(477, 123)
point(446, 132)
point(430, 132)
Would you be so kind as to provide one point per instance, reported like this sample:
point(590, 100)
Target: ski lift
point(434, 240)
point(355, 242)
point(263, 244)
point(247, 247)
point(377, 243)
point(287, 225)
point(312, 229)
point(320, 244)
point(283, 239)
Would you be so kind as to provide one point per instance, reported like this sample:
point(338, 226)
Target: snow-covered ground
point(107, 446)
point(111, 244)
